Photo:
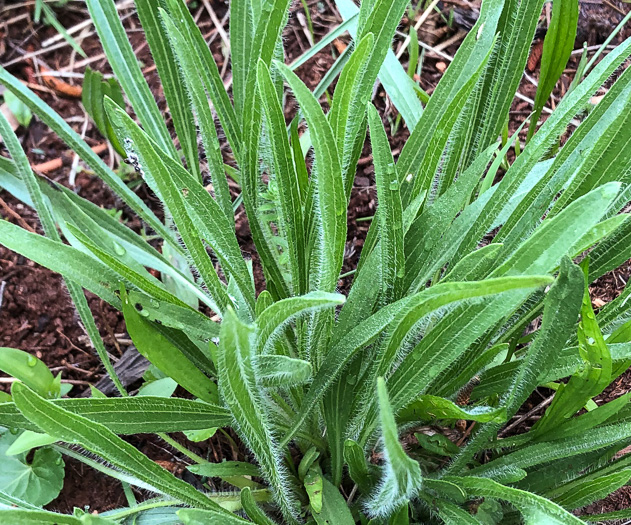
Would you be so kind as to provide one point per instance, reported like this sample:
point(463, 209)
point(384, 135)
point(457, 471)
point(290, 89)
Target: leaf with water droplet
point(119, 249)
point(28, 369)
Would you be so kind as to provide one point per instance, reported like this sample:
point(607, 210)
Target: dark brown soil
point(36, 314)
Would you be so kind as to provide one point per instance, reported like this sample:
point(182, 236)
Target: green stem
point(182, 449)
point(119, 514)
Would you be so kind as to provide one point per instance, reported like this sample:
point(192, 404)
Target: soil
point(35, 311)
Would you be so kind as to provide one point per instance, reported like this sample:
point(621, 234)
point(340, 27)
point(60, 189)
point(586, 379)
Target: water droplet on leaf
point(32, 361)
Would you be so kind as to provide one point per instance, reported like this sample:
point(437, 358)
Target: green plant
point(45, 13)
point(437, 327)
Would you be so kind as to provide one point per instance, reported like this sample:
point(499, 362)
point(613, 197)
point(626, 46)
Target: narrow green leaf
point(546, 137)
point(393, 77)
point(349, 105)
point(125, 65)
point(132, 415)
point(74, 141)
point(453, 515)
point(242, 25)
point(195, 324)
point(252, 509)
point(174, 91)
point(402, 476)
point(424, 251)
point(277, 315)
point(535, 509)
point(282, 371)
point(238, 384)
point(409, 380)
point(430, 408)
point(30, 370)
point(138, 144)
point(561, 309)
point(183, 19)
point(545, 452)
point(30, 517)
point(61, 258)
point(290, 212)
point(99, 440)
point(516, 30)
point(557, 48)
point(330, 186)
point(582, 494)
point(164, 355)
point(590, 380)
point(390, 213)
point(27, 176)
point(94, 89)
point(203, 517)
point(190, 65)
point(323, 42)
point(471, 54)
point(225, 469)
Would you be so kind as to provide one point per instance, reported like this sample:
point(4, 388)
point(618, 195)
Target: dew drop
point(14, 430)
point(479, 34)
point(58, 461)
point(185, 192)
point(154, 303)
point(31, 361)
point(119, 249)
point(351, 379)
point(409, 177)
point(394, 185)
point(144, 313)
point(591, 341)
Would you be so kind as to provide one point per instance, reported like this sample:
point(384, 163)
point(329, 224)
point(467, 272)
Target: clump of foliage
point(438, 326)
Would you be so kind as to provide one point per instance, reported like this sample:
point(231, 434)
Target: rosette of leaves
point(346, 402)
